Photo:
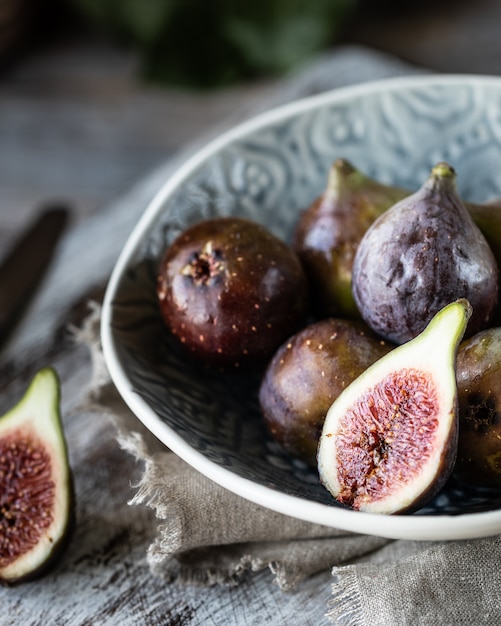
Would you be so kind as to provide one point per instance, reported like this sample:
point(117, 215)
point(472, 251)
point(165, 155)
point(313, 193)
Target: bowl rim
point(415, 527)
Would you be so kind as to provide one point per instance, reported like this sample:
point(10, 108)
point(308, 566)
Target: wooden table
point(76, 126)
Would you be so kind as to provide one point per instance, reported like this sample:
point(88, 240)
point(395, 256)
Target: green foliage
point(206, 43)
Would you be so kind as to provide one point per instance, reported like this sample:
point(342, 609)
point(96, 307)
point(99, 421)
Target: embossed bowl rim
point(419, 527)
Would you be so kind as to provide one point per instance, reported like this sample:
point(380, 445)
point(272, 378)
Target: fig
point(423, 253)
point(479, 394)
point(329, 230)
point(306, 375)
point(389, 441)
point(231, 291)
point(36, 489)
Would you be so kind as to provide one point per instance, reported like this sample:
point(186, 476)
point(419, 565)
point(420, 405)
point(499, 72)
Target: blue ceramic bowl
point(269, 169)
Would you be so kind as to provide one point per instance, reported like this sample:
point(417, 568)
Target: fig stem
point(342, 175)
point(443, 170)
point(461, 310)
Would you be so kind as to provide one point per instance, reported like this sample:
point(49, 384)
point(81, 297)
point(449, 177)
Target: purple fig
point(306, 375)
point(479, 393)
point(328, 233)
point(231, 291)
point(423, 253)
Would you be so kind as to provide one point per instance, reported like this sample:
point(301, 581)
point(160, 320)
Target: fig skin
point(389, 441)
point(479, 392)
point(231, 291)
point(487, 216)
point(423, 253)
point(306, 375)
point(328, 232)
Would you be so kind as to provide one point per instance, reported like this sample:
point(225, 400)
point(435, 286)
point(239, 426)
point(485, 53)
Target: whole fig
point(479, 394)
point(487, 216)
point(231, 291)
point(306, 375)
point(389, 441)
point(423, 253)
point(329, 230)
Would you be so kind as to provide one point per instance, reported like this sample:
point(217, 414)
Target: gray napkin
point(208, 535)
point(406, 582)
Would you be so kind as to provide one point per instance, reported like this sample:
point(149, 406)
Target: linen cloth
point(208, 535)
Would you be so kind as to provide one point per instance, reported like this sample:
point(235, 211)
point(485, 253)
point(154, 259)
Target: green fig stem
point(443, 170)
point(343, 167)
point(342, 176)
point(443, 173)
point(442, 178)
point(335, 178)
point(453, 318)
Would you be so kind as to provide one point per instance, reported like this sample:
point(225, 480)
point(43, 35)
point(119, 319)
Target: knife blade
point(26, 263)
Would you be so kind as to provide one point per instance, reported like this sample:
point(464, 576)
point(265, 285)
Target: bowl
point(269, 169)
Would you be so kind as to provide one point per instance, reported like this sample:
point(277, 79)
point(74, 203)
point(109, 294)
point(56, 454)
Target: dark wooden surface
point(457, 36)
point(76, 125)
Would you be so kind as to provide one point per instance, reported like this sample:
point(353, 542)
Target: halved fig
point(389, 441)
point(36, 489)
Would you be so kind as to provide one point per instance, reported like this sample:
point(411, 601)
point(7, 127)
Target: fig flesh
point(389, 441)
point(328, 233)
point(36, 492)
point(479, 394)
point(231, 291)
point(306, 375)
point(423, 253)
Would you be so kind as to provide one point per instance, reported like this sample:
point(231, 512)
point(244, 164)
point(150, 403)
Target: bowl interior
point(269, 170)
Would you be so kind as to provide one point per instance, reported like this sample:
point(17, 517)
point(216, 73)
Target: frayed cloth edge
point(169, 568)
point(161, 555)
point(345, 606)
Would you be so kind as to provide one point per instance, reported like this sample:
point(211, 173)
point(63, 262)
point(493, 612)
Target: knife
point(26, 263)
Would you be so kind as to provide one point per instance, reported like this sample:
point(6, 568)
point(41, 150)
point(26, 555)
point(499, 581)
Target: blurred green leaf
point(146, 18)
point(278, 47)
point(205, 43)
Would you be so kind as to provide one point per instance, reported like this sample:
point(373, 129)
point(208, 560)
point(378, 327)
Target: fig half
point(36, 492)
point(389, 441)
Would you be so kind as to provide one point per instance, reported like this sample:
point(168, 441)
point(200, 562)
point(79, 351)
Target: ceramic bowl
point(269, 169)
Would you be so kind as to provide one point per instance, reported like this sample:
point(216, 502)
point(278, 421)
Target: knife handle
point(26, 263)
